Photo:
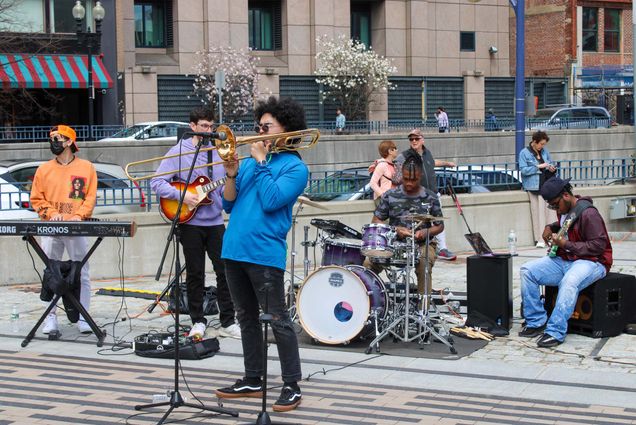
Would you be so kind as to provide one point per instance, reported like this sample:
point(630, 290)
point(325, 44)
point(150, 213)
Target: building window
point(49, 16)
point(612, 26)
point(265, 27)
point(590, 29)
point(467, 41)
point(361, 23)
point(153, 23)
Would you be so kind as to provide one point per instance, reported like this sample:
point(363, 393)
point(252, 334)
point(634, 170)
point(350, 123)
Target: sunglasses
point(265, 127)
point(412, 139)
point(554, 205)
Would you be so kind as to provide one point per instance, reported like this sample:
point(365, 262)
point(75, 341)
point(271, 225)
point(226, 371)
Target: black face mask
point(57, 147)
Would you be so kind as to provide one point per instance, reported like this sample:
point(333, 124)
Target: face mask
point(57, 147)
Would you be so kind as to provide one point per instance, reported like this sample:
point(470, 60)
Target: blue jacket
point(261, 214)
point(528, 167)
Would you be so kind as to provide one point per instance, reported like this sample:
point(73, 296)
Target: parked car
point(13, 202)
point(570, 117)
point(353, 183)
point(116, 194)
point(157, 131)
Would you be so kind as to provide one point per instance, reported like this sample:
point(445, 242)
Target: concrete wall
point(338, 152)
point(491, 214)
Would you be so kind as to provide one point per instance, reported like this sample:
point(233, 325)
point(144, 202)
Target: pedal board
point(161, 345)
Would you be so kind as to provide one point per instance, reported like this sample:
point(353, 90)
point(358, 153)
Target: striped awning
point(51, 72)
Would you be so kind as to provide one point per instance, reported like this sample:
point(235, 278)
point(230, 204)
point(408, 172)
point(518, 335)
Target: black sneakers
point(529, 332)
point(289, 399)
point(246, 387)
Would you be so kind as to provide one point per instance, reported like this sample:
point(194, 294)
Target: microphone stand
point(265, 318)
point(176, 400)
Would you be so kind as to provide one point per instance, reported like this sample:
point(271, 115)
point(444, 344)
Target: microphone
point(221, 135)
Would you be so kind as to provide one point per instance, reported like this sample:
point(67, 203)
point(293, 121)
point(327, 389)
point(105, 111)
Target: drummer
point(410, 198)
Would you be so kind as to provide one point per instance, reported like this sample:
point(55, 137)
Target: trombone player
point(203, 233)
point(259, 198)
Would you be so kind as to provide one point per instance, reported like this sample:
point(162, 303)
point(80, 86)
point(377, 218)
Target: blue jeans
point(246, 282)
point(570, 276)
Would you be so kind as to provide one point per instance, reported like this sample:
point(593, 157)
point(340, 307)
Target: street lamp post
point(520, 89)
point(89, 40)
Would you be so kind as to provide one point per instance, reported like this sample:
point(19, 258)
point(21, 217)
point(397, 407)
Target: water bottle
point(512, 242)
point(15, 319)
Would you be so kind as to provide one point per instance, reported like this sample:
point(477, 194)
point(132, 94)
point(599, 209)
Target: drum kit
point(344, 301)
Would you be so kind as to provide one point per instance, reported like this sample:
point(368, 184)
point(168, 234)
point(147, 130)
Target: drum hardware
point(402, 321)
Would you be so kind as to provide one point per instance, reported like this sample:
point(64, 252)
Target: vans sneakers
point(246, 387)
point(289, 399)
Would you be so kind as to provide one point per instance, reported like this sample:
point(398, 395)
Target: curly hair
point(537, 136)
point(289, 113)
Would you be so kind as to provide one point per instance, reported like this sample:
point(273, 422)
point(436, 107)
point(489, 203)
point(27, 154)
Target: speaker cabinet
point(603, 309)
point(489, 288)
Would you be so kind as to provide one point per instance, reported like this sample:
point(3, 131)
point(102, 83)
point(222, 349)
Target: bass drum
point(335, 304)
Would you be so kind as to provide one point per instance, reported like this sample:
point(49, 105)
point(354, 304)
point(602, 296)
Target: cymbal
point(305, 200)
point(423, 217)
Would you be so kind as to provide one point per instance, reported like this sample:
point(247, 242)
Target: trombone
point(291, 141)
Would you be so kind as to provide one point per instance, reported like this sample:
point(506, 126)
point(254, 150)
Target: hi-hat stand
point(400, 327)
point(176, 400)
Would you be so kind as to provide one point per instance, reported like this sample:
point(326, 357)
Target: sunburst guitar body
point(201, 187)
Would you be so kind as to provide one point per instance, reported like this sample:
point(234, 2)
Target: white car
point(156, 130)
point(13, 202)
point(116, 194)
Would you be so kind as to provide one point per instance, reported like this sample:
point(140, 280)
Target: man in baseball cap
point(65, 189)
point(67, 133)
point(581, 254)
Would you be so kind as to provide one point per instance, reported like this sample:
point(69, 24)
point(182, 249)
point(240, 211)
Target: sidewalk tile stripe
point(109, 397)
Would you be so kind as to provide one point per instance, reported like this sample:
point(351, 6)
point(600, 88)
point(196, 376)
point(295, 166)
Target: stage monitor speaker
point(603, 309)
point(489, 288)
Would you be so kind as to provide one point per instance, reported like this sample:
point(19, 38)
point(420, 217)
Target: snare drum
point(341, 252)
point(401, 252)
point(376, 240)
point(335, 303)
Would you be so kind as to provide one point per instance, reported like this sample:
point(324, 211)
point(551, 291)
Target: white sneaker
point(198, 330)
point(50, 324)
point(84, 327)
point(540, 244)
point(232, 331)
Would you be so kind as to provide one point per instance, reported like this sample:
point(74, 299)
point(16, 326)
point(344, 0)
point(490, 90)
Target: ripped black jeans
point(246, 282)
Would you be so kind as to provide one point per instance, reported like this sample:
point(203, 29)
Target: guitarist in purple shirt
point(202, 232)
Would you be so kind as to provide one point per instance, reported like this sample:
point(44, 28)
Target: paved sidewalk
point(584, 380)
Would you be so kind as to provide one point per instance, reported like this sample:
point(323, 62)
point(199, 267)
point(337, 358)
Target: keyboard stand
point(98, 332)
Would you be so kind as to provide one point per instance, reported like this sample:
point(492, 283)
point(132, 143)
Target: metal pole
point(91, 89)
point(520, 116)
point(633, 121)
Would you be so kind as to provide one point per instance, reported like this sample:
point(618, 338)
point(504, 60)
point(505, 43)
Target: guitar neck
point(207, 188)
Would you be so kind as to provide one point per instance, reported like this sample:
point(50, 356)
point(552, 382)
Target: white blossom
point(350, 72)
point(241, 80)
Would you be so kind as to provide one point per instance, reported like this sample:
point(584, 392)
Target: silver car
point(570, 117)
point(160, 131)
point(116, 194)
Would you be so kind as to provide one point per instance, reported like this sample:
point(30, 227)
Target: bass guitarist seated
point(203, 232)
point(583, 255)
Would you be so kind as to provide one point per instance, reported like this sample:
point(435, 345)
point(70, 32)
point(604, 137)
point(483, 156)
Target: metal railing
point(41, 133)
point(123, 196)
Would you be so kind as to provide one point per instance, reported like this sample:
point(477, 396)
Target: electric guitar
point(562, 231)
point(201, 187)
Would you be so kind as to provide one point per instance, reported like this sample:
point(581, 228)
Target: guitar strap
point(210, 159)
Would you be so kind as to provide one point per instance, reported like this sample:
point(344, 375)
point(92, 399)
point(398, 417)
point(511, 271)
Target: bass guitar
point(201, 187)
point(562, 232)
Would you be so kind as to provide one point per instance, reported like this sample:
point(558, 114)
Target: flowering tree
point(350, 72)
point(241, 80)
